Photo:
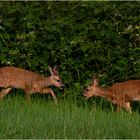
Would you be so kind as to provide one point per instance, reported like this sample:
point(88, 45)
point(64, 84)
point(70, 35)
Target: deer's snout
point(84, 94)
point(62, 87)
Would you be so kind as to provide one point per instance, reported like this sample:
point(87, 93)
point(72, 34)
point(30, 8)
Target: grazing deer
point(120, 94)
point(30, 82)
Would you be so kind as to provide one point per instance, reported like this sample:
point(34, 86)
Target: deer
point(121, 94)
point(30, 82)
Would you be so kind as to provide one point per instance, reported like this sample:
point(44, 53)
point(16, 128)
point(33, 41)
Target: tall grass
point(40, 118)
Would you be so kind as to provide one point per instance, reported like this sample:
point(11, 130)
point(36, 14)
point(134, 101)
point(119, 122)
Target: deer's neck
point(44, 82)
point(48, 82)
point(104, 92)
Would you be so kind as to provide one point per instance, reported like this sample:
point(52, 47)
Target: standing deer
point(30, 82)
point(120, 94)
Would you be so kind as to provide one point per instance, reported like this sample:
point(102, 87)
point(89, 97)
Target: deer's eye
point(87, 90)
point(58, 80)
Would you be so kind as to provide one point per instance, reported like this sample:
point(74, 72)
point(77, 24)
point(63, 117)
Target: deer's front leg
point(119, 105)
point(49, 90)
point(118, 108)
point(27, 93)
point(4, 92)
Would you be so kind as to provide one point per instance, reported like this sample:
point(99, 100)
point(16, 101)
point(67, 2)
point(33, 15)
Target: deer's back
point(129, 89)
point(17, 77)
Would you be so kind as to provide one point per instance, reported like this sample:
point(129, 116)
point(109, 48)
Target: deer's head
point(55, 78)
point(91, 90)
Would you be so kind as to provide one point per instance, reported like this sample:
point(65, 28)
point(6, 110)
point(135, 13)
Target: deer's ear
point(55, 70)
point(51, 71)
point(96, 82)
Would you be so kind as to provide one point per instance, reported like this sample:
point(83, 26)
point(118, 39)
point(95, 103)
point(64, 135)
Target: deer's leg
point(118, 107)
point(127, 107)
point(27, 94)
point(49, 90)
point(4, 92)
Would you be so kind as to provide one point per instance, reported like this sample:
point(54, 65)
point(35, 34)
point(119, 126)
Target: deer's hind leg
point(127, 107)
point(4, 92)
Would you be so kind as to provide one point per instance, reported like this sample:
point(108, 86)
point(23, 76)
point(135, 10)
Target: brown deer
point(30, 82)
point(120, 94)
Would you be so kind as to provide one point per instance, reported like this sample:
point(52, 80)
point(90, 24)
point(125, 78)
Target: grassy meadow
point(40, 118)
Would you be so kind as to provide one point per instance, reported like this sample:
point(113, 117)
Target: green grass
point(40, 118)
